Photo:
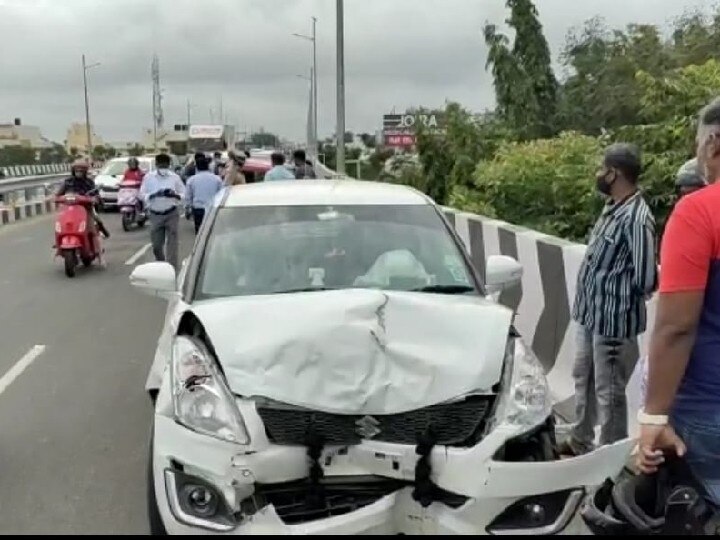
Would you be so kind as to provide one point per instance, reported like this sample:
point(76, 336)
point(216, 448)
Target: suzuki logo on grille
point(368, 427)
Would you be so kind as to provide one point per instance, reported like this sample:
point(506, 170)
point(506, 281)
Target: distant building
point(77, 138)
point(17, 134)
point(174, 141)
point(123, 148)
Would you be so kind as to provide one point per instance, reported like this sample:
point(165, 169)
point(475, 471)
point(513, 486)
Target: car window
point(270, 250)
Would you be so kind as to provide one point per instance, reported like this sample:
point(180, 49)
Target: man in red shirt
point(682, 406)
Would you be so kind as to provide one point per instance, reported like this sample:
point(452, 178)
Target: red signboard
point(400, 140)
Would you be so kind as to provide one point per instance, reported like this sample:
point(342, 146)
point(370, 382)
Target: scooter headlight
point(525, 400)
point(201, 398)
point(58, 227)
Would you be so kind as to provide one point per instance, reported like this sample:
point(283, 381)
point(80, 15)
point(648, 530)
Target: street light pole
point(340, 87)
point(315, 87)
point(188, 113)
point(313, 39)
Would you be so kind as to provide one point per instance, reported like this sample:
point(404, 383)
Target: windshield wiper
point(445, 289)
point(305, 289)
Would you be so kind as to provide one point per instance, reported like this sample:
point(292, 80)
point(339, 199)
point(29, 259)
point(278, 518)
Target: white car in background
point(110, 176)
point(330, 364)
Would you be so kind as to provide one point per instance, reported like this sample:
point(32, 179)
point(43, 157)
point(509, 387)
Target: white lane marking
point(22, 364)
point(138, 255)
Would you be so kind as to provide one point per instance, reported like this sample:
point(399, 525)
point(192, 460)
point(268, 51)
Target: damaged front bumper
point(367, 488)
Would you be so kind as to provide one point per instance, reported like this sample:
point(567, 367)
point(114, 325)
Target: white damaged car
point(330, 364)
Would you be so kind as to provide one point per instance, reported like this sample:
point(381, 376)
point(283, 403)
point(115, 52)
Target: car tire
point(157, 528)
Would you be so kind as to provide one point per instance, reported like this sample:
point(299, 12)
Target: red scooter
point(77, 239)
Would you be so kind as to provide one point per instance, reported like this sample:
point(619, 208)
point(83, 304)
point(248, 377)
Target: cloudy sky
point(399, 53)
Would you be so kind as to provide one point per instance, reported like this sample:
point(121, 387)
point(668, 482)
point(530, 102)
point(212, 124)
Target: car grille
point(341, 496)
point(457, 423)
point(109, 189)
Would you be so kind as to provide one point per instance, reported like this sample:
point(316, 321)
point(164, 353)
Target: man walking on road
point(162, 191)
point(201, 190)
point(618, 274)
point(682, 405)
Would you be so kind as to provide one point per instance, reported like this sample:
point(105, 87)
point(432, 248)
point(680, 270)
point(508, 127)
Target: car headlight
point(201, 398)
point(525, 400)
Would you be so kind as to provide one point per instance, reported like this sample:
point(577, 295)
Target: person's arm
point(62, 190)
point(687, 251)
point(145, 189)
point(640, 234)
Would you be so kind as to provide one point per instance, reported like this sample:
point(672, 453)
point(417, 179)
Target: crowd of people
point(620, 272)
point(163, 194)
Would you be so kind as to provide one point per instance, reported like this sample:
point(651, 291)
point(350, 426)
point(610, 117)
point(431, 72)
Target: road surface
point(74, 355)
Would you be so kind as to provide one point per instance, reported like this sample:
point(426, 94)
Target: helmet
point(648, 504)
point(79, 165)
point(690, 176)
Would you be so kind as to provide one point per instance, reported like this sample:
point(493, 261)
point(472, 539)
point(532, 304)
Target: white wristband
point(652, 419)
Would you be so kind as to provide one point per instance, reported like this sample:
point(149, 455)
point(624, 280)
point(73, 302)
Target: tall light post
point(88, 129)
point(311, 134)
point(314, 81)
point(340, 87)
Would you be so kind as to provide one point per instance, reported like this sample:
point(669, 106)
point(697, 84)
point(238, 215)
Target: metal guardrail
point(15, 191)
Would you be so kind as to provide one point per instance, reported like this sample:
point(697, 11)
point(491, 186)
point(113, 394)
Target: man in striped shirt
point(618, 274)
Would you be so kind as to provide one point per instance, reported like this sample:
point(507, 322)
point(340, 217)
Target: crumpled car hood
point(358, 351)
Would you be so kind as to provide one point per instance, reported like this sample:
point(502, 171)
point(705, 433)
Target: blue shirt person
point(279, 171)
point(201, 190)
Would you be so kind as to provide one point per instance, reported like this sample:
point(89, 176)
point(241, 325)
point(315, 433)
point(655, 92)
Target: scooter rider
point(80, 183)
point(134, 175)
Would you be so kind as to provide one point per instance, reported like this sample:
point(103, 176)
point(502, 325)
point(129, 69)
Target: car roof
point(323, 192)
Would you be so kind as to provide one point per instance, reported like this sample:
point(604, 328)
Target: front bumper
point(487, 488)
point(108, 198)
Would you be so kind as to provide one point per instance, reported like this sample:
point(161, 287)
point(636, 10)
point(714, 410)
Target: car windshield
point(114, 168)
point(283, 249)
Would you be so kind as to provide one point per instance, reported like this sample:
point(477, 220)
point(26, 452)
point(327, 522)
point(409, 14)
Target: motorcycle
point(77, 239)
point(131, 207)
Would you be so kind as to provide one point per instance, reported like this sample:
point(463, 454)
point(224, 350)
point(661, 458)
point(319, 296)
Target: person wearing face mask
point(618, 274)
point(163, 192)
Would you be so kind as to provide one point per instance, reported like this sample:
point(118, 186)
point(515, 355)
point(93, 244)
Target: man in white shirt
point(163, 191)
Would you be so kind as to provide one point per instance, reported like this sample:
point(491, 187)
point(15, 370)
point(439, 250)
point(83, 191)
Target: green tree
point(681, 93)
point(525, 85)
point(16, 155)
point(136, 150)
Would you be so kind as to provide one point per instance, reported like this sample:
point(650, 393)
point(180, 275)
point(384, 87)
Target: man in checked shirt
point(618, 274)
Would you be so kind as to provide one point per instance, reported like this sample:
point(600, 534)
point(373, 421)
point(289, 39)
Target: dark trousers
point(198, 216)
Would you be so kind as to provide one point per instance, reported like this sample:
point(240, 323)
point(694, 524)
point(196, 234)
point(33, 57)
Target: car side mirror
point(502, 273)
point(155, 279)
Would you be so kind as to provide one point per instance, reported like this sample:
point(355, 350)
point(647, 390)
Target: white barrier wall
point(544, 300)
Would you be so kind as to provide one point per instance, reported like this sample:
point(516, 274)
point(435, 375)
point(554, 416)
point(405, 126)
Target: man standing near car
point(682, 405)
point(163, 190)
point(201, 190)
point(618, 274)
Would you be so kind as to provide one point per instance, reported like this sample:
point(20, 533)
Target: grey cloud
point(399, 53)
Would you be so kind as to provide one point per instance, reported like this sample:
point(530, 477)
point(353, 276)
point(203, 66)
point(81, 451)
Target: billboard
point(399, 130)
point(206, 132)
